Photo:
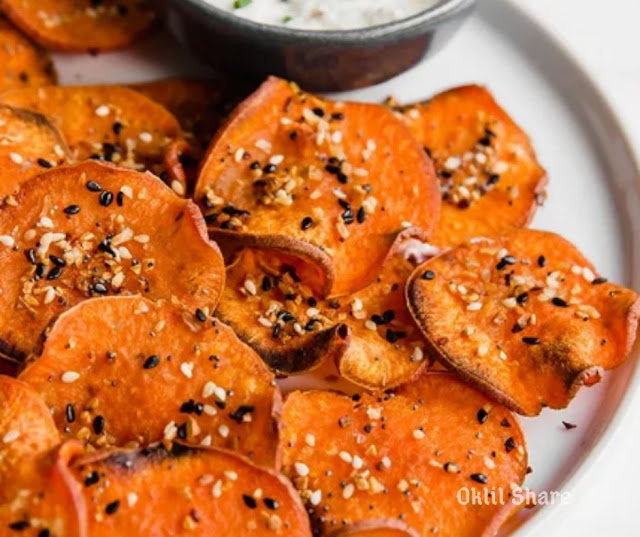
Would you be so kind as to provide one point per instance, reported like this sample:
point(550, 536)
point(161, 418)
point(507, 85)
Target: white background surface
point(605, 36)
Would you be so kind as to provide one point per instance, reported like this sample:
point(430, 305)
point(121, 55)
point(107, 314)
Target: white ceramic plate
point(593, 188)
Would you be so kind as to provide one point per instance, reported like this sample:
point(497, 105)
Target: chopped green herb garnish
point(237, 4)
point(287, 18)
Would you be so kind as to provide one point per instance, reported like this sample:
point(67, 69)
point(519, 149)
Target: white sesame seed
point(238, 154)
point(339, 193)
point(386, 462)
point(313, 312)
point(483, 349)
point(474, 306)
point(7, 240)
point(250, 287)
point(356, 305)
point(417, 355)
point(231, 475)
point(102, 111)
point(265, 322)
point(220, 393)
point(348, 491)
point(45, 222)
point(374, 413)
point(510, 302)
point(145, 137)
point(70, 376)
point(310, 439)
point(170, 431)
point(357, 462)
point(10, 436)
point(209, 389)
point(276, 159)
point(223, 431)
point(132, 499)
point(301, 469)
point(264, 145)
point(488, 462)
point(370, 325)
point(316, 497)
point(418, 434)
point(206, 441)
point(588, 274)
point(177, 187)
point(216, 490)
point(187, 369)
point(142, 239)
point(452, 163)
point(345, 456)
point(127, 191)
point(209, 410)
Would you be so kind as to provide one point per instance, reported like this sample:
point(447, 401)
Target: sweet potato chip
point(197, 492)
point(113, 124)
point(93, 229)
point(402, 457)
point(489, 176)
point(331, 182)
point(27, 430)
point(370, 334)
point(45, 501)
point(22, 63)
point(199, 105)
point(524, 316)
point(80, 26)
point(207, 386)
point(28, 145)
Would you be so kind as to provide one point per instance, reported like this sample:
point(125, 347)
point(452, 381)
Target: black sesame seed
point(557, 301)
point(318, 112)
point(517, 328)
point(239, 414)
point(255, 165)
point(392, 336)
point(505, 261)
point(451, 468)
point(72, 209)
point(361, 215)
point(120, 199)
point(482, 415)
point(70, 413)
point(100, 288)
point(568, 425)
point(307, 222)
point(44, 533)
point(276, 330)
point(54, 273)
point(249, 501)
point(505, 423)
point(57, 261)
point(342, 178)
point(493, 179)
point(522, 298)
point(40, 270)
point(98, 425)
point(337, 115)
point(151, 362)
point(509, 444)
point(531, 340)
point(347, 216)
point(542, 261)
point(270, 168)
point(200, 315)
point(112, 507)
point(106, 198)
point(270, 503)
point(20, 525)
point(266, 284)
point(91, 479)
point(117, 128)
point(92, 186)
point(599, 281)
point(479, 478)
point(182, 431)
point(428, 275)
point(43, 163)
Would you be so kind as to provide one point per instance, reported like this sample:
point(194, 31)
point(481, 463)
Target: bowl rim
point(407, 27)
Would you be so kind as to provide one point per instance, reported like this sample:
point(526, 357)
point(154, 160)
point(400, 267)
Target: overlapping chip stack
point(358, 246)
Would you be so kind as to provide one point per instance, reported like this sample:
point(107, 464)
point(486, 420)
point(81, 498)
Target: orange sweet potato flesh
point(45, 500)
point(22, 63)
point(369, 334)
point(328, 181)
point(27, 430)
point(489, 175)
point(402, 457)
point(524, 317)
point(77, 26)
point(199, 105)
point(36, 490)
point(185, 491)
point(148, 372)
point(93, 229)
point(111, 123)
point(29, 144)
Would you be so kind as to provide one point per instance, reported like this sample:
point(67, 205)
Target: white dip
point(324, 14)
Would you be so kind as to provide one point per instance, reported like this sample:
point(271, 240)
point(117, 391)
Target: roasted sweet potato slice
point(93, 229)
point(199, 105)
point(489, 176)
point(80, 26)
point(197, 492)
point(331, 182)
point(370, 334)
point(22, 63)
point(403, 457)
point(28, 145)
point(45, 500)
point(208, 387)
point(113, 124)
point(524, 316)
point(27, 430)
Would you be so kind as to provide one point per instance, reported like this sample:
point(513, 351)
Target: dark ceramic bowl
point(317, 60)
